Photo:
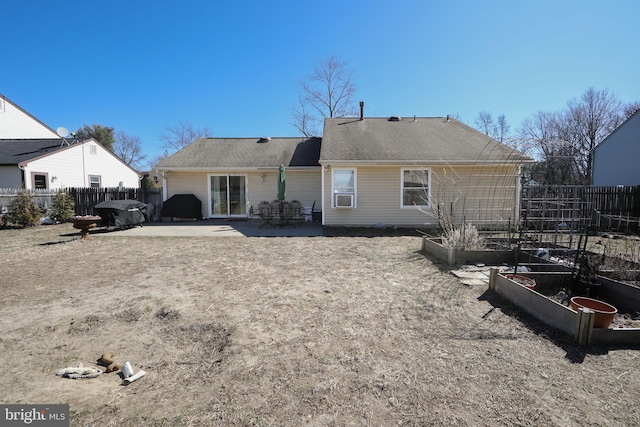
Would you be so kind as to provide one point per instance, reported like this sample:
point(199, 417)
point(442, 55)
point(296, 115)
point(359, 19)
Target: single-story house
point(615, 159)
point(363, 172)
point(55, 163)
point(230, 175)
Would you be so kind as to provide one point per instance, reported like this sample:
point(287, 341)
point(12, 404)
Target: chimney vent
point(361, 110)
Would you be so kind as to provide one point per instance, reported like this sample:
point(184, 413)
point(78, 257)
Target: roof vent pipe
point(361, 110)
point(448, 118)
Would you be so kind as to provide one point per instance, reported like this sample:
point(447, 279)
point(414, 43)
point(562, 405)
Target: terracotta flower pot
point(527, 282)
point(604, 312)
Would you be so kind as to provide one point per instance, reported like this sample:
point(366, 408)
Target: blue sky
point(234, 67)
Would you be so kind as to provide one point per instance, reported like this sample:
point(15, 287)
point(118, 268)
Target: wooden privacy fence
point(576, 208)
point(43, 198)
point(614, 207)
point(86, 198)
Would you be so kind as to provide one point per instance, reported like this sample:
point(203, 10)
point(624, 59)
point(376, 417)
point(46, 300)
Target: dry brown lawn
point(324, 331)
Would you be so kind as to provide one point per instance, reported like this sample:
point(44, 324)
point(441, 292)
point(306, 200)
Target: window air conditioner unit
point(344, 200)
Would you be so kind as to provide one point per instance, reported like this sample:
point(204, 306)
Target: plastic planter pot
point(604, 312)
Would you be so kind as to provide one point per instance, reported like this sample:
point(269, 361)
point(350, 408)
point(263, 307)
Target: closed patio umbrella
point(281, 183)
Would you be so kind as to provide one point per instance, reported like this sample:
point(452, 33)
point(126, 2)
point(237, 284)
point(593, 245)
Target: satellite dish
point(62, 131)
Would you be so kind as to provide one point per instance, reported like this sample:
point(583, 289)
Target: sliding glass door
point(228, 196)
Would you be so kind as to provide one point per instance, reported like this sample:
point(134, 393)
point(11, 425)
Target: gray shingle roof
point(433, 139)
point(245, 153)
point(14, 151)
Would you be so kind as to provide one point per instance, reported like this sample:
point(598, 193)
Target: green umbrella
point(281, 183)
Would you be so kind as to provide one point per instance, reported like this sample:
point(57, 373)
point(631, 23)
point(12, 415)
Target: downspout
point(84, 172)
point(322, 197)
point(518, 195)
point(22, 176)
point(164, 187)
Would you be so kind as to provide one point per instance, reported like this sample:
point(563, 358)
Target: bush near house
point(23, 211)
point(63, 208)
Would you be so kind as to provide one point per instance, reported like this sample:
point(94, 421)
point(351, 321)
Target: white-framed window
point(343, 187)
point(416, 188)
point(95, 181)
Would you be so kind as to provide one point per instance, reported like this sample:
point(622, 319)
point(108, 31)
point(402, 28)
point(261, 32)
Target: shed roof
point(421, 139)
point(246, 153)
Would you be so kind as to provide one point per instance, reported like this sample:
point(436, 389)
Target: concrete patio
point(210, 228)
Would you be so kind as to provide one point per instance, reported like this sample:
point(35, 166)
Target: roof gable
point(624, 132)
point(432, 139)
point(18, 123)
point(218, 153)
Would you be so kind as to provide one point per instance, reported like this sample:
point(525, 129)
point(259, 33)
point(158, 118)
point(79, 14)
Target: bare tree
point(502, 128)
point(484, 123)
point(587, 121)
point(155, 161)
point(497, 129)
point(327, 92)
point(540, 137)
point(565, 140)
point(303, 120)
point(128, 149)
point(630, 109)
point(177, 137)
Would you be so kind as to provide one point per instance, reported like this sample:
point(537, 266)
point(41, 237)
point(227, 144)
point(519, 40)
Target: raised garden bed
point(578, 323)
point(434, 247)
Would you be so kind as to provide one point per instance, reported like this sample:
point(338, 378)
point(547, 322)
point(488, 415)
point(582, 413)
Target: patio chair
point(254, 214)
point(266, 214)
point(295, 212)
point(277, 211)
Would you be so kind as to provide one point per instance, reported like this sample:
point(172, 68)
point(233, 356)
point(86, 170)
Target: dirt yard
point(323, 331)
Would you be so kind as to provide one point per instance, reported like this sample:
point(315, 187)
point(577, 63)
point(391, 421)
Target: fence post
point(584, 325)
point(493, 275)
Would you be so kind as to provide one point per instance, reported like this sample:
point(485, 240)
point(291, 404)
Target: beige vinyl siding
point(377, 199)
point(302, 185)
point(482, 195)
point(189, 183)
point(10, 177)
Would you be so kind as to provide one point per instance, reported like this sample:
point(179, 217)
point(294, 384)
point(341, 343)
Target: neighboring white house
point(53, 164)
point(16, 123)
point(32, 156)
point(615, 159)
